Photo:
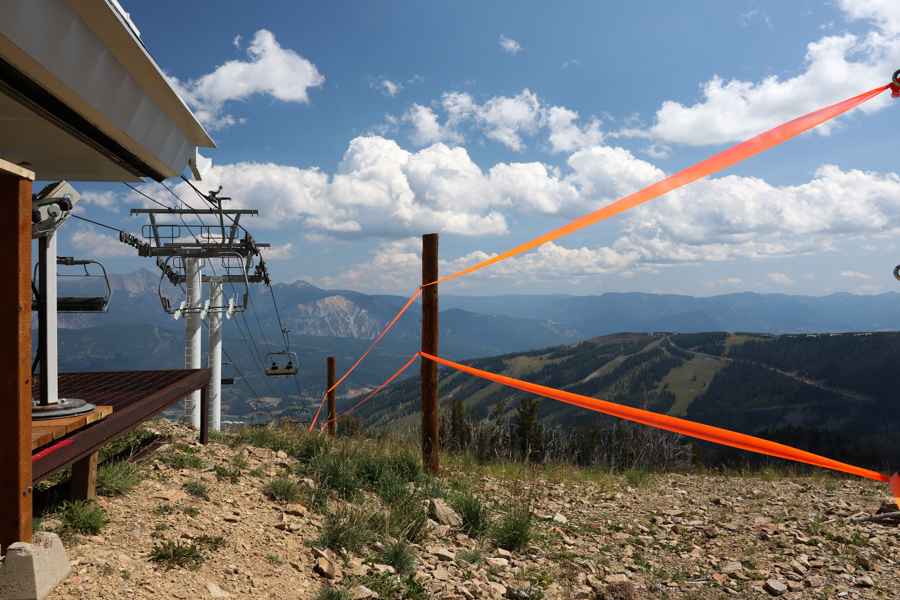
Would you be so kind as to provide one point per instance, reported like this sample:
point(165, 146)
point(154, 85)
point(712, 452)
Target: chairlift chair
point(288, 370)
point(228, 373)
point(80, 304)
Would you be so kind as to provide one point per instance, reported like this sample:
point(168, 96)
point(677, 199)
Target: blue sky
point(355, 127)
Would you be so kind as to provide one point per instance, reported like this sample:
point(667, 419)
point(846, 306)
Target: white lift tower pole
point(216, 299)
point(193, 345)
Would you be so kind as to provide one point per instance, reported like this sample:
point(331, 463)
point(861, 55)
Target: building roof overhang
point(81, 98)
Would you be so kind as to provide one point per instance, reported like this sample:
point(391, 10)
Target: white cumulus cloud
point(99, 245)
point(780, 278)
point(271, 69)
point(837, 67)
point(855, 274)
point(509, 45)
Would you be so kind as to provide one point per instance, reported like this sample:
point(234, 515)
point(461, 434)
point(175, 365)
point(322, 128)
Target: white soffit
point(81, 98)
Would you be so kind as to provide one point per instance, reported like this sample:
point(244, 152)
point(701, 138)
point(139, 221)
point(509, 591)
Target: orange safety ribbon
point(689, 428)
point(391, 324)
point(403, 368)
point(724, 159)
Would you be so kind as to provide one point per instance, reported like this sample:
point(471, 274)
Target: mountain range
point(137, 333)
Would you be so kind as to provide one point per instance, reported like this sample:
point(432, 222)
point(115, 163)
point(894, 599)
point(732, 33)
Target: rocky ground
point(664, 536)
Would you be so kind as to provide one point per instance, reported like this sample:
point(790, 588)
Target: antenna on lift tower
point(182, 261)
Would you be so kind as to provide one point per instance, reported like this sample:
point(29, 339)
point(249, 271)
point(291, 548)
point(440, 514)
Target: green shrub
point(372, 469)
point(475, 516)
point(407, 466)
point(346, 528)
point(177, 554)
point(183, 461)
point(191, 511)
point(330, 593)
point(636, 477)
point(117, 477)
point(223, 473)
point(197, 488)
point(408, 519)
point(164, 509)
point(413, 589)
point(282, 489)
point(399, 555)
point(336, 472)
point(513, 532)
point(82, 516)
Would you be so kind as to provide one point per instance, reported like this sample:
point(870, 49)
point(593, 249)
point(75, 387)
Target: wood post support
point(15, 361)
point(430, 445)
point(332, 424)
point(84, 478)
point(204, 415)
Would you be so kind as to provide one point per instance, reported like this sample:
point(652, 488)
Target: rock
point(383, 568)
point(296, 510)
point(864, 582)
point(327, 554)
point(326, 568)
point(217, 592)
point(443, 513)
point(774, 587)
point(170, 495)
point(516, 594)
point(503, 553)
point(51, 524)
point(731, 567)
point(500, 563)
point(440, 574)
point(444, 555)
point(559, 518)
point(361, 592)
point(616, 578)
point(281, 454)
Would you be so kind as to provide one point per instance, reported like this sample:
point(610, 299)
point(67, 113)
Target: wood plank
point(15, 360)
point(8, 168)
point(40, 439)
point(57, 428)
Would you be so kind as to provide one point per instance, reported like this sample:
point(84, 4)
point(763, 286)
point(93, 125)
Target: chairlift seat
point(73, 304)
point(228, 381)
point(281, 371)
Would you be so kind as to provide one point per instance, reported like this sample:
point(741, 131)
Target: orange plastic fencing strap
point(391, 324)
point(895, 488)
point(689, 428)
point(724, 159)
point(403, 368)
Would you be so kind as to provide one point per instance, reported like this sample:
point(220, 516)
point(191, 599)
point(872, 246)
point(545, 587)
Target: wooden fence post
point(332, 424)
point(430, 443)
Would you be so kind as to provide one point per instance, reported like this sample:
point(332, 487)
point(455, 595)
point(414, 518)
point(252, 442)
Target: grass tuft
point(513, 531)
point(117, 478)
point(475, 516)
point(82, 516)
point(346, 528)
point(197, 488)
point(399, 555)
point(177, 554)
point(282, 489)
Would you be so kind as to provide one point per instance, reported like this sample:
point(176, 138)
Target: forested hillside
point(827, 389)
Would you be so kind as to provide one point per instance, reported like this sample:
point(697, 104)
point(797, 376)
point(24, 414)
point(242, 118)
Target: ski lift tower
point(182, 262)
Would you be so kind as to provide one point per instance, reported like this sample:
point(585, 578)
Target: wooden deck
point(45, 431)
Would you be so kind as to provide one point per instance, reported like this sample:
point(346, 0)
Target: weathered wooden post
point(430, 445)
point(332, 424)
point(15, 356)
